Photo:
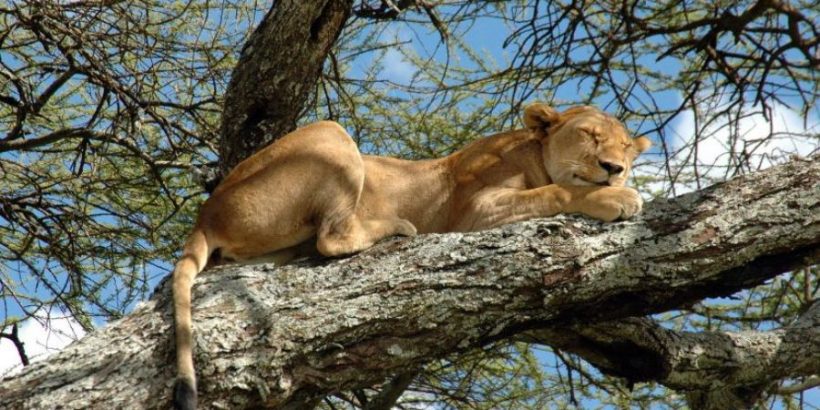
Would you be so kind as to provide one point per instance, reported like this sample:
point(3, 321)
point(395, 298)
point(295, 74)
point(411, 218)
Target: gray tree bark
point(276, 74)
point(716, 370)
point(285, 337)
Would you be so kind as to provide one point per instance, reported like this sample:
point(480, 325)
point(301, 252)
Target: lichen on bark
point(282, 337)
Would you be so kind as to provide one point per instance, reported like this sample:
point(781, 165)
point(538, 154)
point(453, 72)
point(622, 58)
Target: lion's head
point(583, 145)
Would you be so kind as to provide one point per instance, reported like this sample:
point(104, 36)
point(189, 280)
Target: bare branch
point(391, 391)
point(14, 337)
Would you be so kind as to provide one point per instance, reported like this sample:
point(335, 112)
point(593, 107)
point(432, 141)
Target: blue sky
point(487, 36)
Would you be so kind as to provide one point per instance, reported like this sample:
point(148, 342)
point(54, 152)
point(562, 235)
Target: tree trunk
point(284, 337)
point(276, 74)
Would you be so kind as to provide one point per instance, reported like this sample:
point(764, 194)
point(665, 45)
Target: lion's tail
point(194, 257)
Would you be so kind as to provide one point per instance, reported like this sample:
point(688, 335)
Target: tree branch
point(387, 9)
point(277, 73)
point(391, 392)
point(14, 337)
point(717, 370)
point(286, 337)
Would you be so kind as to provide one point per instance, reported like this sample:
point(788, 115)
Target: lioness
point(314, 182)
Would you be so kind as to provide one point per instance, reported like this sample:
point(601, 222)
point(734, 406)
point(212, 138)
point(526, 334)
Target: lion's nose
point(610, 167)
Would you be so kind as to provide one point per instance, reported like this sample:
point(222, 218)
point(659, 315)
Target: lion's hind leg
point(352, 234)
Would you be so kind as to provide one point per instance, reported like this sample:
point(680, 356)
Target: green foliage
point(106, 111)
point(109, 113)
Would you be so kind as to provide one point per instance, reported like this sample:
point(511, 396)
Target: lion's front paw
point(611, 203)
point(631, 205)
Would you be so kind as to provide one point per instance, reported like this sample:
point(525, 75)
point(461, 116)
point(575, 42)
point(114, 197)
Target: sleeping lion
point(314, 182)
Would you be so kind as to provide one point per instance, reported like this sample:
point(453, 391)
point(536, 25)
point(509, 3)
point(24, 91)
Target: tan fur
point(314, 183)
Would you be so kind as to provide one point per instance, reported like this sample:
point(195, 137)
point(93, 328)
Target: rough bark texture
point(283, 337)
point(717, 370)
point(276, 73)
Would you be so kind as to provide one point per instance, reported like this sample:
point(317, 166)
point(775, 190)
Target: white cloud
point(396, 68)
point(46, 333)
point(766, 143)
point(753, 132)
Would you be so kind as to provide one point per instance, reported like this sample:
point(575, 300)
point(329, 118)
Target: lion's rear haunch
point(184, 395)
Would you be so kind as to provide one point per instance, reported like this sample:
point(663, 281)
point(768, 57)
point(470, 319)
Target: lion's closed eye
point(589, 135)
point(586, 131)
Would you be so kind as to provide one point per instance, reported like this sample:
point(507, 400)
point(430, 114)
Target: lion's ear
point(641, 144)
point(539, 116)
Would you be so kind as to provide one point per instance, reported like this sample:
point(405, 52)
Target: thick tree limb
point(285, 337)
point(276, 74)
point(717, 370)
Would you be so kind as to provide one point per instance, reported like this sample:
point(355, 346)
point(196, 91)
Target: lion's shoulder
point(500, 156)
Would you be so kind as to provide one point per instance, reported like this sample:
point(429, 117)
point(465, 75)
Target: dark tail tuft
point(184, 395)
